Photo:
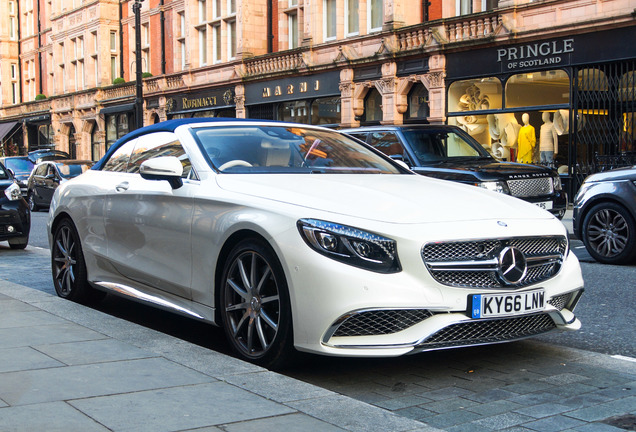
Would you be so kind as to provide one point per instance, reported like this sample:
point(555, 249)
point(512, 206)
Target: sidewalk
point(66, 367)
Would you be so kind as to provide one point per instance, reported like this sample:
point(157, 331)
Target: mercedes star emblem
point(512, 265)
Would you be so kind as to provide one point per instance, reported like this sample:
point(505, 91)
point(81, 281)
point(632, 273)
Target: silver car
point(605, 213)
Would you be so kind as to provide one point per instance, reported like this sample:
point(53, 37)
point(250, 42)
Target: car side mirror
point(400, 160)
point(167, 168)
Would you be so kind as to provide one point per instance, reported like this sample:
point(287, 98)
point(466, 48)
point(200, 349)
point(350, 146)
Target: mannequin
point(526, 141)
point(548, 140)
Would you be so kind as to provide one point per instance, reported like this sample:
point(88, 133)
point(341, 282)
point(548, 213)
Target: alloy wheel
point(608, 232)
point(252, 304)
point(65, 249)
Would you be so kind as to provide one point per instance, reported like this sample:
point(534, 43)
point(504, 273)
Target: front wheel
point(255, 306)
point(68, 265)
point(609, 234)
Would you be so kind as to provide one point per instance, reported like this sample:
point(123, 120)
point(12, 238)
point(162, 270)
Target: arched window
point(373, 106)
point(418, 108)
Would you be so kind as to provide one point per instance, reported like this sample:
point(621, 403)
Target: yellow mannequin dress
point(525, 144)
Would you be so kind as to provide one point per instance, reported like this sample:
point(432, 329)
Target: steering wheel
point(233, 163)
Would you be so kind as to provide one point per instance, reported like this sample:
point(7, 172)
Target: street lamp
point(139, 99)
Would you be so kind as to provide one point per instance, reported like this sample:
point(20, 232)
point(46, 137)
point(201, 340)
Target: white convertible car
point(295, 237)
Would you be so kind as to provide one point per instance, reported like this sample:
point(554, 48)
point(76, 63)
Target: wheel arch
point(591, 203)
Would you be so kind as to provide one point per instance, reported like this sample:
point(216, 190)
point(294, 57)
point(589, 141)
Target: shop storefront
point(312, 99)
point(571, 98)
point(39, 132)
point(10, 138)
point(209, 103)
point(119, 120)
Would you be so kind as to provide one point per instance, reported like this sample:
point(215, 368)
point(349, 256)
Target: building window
point(464, 7)
point(231, 7)
point(487, 5)
point(538, 88)
point(376, 15)
point(203, 47)
point(330, 19)
point(202, 12)
point(216, 9)
point(231, 43)
point(292, 20)
point(113, 68)
point(352, 19)
point(113, 41)
point(418, 108)
point(217, 43)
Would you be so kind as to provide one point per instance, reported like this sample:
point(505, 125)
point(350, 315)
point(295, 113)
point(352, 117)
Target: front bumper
point(15, 219)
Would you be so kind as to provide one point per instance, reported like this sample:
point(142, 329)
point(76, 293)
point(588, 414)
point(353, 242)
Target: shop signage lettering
point(536, 54)
point(199, 102)
point(290, 89)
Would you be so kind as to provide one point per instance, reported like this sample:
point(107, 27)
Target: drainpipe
point(270, 30)
point(121, 42)
point(163, 38)
point(19, 54)
point(425, 5)
point(40, 91)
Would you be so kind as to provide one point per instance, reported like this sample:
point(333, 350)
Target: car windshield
point(437, 145)
point(70, 171)
point(19, 165)
point(287, 149)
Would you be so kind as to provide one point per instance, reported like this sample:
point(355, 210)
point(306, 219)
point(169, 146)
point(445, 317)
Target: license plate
point(545, 205)
point(500, 305)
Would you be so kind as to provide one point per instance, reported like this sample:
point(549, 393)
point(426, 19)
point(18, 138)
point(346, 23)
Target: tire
point(18, 242)
point(255, 306)
point(32, 205)
point(609, 234)
point(68, 266)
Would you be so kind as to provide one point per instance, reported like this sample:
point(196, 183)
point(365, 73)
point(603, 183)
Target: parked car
point(604, 215)
point(299, 237)
point(37, 156)
point(15, 218)
point(47, 176)
point(21, 167)
point(449, 153)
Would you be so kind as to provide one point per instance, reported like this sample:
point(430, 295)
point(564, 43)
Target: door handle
point(121, 187)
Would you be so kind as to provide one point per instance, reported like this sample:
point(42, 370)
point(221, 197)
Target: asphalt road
point(607, 309)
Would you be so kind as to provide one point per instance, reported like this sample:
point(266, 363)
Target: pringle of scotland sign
point(535, 54)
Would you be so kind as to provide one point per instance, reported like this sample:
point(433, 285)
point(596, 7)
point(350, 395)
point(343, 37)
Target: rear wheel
point(609, 234)
point(255, 306)
point(32, 205)
point(68, 266)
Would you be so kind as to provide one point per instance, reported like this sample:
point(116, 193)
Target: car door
point(50, 182)
point(37, 183)
point(148, 224)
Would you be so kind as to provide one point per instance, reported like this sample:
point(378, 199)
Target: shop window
point(373, 107)
point(418, 108)
point(325, 111)
point(117, 125)
point(627, 87)
point(475, 95)
point(293, 112)
point(96, 153)
point(592, 80)
point(538, 88)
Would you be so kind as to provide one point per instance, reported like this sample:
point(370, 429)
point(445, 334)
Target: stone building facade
point(478, 64)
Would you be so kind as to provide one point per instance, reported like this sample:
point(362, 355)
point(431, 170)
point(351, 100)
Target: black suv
point(449, 153)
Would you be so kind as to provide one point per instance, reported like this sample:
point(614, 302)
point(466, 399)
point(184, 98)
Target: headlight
point(13, 192)
point(351, 245)
point(495, 186)
point(557, 183)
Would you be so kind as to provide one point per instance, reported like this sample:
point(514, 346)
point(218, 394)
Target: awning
point(118, 109)
point(6, 128)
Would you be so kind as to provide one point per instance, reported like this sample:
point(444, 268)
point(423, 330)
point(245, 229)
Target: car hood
point(627, 173)
point(385, 198)
point(488, 169)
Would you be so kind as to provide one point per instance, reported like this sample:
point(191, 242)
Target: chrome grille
point(531, 187)
point(380, 322)
point(474, 264)
point(561, 301)
point(490, 331)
